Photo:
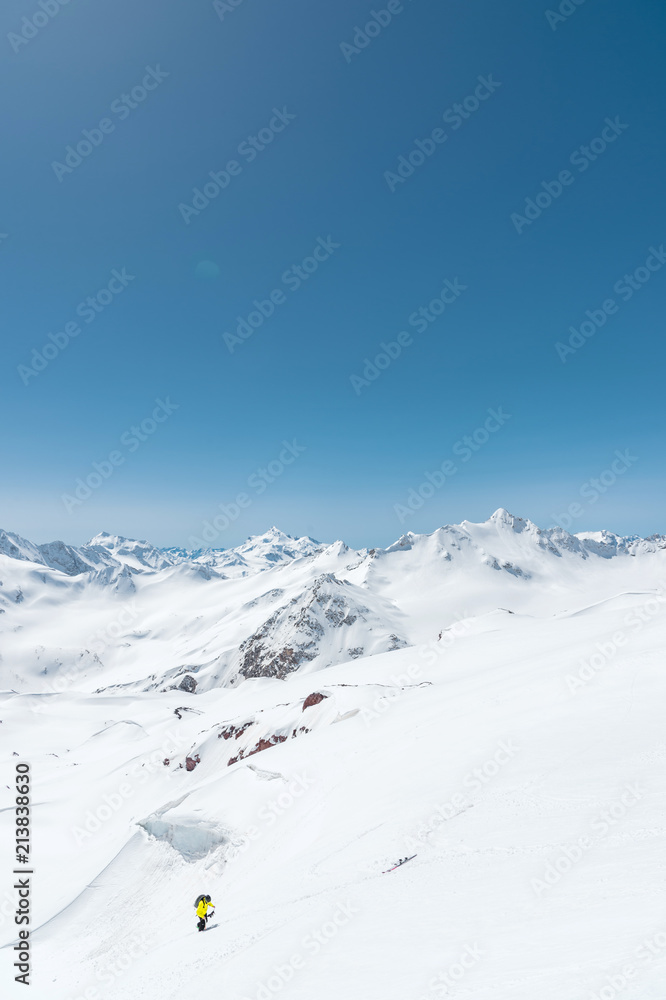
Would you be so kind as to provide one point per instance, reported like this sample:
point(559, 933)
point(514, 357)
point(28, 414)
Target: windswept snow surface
point(521, 757)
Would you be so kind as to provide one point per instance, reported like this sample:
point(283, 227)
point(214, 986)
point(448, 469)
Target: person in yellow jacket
point(203, 906)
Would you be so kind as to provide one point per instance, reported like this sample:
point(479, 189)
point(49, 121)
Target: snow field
point(485, 763)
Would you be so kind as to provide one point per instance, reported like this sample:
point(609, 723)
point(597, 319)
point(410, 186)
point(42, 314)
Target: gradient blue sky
point(324, 175)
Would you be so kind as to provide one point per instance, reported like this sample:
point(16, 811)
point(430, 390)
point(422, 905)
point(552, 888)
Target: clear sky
point(311, 128)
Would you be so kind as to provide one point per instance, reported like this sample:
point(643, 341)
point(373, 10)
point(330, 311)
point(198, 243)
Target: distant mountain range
point(119, 614)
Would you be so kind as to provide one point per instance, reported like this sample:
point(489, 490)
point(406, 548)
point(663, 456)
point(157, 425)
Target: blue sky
point(335, 123)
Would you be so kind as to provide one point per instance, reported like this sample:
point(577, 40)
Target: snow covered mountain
point(278, 724)
point(330, 608)
point(122, 614)
point(254, 555)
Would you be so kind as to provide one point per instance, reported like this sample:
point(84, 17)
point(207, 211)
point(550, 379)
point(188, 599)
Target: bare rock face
point(233, 731)
point(321, 623)
point(191, 762)
point(263, 744)
point(188, 684)
point(266, 744)
point(313, 699)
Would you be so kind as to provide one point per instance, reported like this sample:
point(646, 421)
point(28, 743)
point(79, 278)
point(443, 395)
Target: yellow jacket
point(204, 907)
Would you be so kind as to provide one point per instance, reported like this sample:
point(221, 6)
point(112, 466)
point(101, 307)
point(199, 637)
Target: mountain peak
point(273, 534)
point(108, 540)
point(504, 517)
point(276, 546)
point(501, 514)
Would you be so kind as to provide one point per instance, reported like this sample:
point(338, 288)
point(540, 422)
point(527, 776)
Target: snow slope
point(520, 757)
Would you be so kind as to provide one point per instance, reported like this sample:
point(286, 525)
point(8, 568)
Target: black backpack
point(199, 898)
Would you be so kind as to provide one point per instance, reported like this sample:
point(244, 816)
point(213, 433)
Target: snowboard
point(402, 861)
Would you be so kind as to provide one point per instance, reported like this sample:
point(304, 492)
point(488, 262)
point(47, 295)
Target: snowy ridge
point(169, 618)
point(261, 552)
point(295, 634)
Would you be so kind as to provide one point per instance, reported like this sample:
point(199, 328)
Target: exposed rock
point(235, 731)
point(266, 744)
point(313, 699)
point(181, 708)
point(69, 560)
point(331, 609)
point(261, 745)
point(191, 762)
point(188, 683)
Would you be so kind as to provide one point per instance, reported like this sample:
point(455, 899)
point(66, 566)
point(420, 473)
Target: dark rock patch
point(313, 699)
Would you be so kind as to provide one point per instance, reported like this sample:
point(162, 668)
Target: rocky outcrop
point(313, 699)
point(263, 744)
point(233, 731)
point(320, 624)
